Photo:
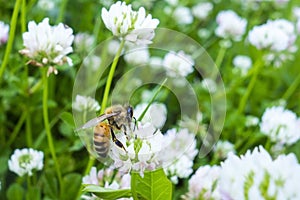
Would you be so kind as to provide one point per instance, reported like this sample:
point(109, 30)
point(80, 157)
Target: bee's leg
point(120, 127)
point(116, 141)
point(135, 124)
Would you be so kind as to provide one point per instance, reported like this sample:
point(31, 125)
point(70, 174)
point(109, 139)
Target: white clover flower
point(296, 12)
point(172, 2)
point(85, 103)
point(277, 35)
point(104, 178)
point(280, 125)
point(242, 63)
point(84, 42)
point(4, 29)
point(202, 10)
point(113, 47)
point(223, 148)
point(251, 121)
point(183, 15)
point(156, 114)
point(230, 25)
point(92, 62)
point(209, 85)
point(48, 45)
point(137, 55)
point(178, 64)
point(256, 176)
point(133, 26)
point(25, 161)
point(181, 148)
point(202, 183)
point(46, 4)
point(143, 147)
point(155, 62)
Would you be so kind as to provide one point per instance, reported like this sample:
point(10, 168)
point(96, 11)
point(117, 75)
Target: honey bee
point(118, 117)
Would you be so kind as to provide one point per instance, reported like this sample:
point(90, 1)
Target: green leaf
point(34, 193)
point(15, 192)
point(72, 183)
point(153, 186)
point(67, 118)
point(50, 185)
point(107, 193)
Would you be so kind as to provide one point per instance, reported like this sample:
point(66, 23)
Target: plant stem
point(220, 56)
point(17, 129)
point(110, 77)
point(62, 9)
point(47, 125)
point(244, 99)
point(13, 24)
point(292, 88)
point(152, 99)
point(23, 16)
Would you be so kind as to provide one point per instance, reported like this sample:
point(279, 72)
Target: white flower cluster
point(133, 26)
point(256, 176)
point(181, 151)
point(183, 15)
point(103, 178)
point(106, 178)
point(242, 63)
point(277, 35)
point(156, 114)
point(137, 55)
point(223, 149)
point(48, 45)
point(252, 176)
point(143, 148)
point(4, 29)
point(282, 126)
point(178, 64)
point(202, 183)
point(84, 42)
point(202, 10)
point(230, 25)
point(85, 104)
point(24, 161)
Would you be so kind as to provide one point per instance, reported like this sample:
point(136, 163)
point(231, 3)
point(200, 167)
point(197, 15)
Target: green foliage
point(107, 193)
point(153, 185)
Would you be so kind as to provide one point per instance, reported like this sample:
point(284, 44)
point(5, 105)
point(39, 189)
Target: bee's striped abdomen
point(102, 139)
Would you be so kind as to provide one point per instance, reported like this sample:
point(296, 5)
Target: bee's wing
point(95, 121)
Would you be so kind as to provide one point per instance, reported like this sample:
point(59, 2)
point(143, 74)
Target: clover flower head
point(280, 125)
point(143, 147)
point(84, 42)
point(4, 29)
point(178, 64)
point(85, 103)
point(48, 45)
point(156, 114)
point(202, 10)
point(133, 26)
point(183, 15)
point(181, 148)
point(223, 148)
point(202, 183)
point(256, 175)
point(25, 161)
point(243, 63)
point(230, 25)
point(137, 55)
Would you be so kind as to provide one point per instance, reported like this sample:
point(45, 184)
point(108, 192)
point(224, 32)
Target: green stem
point(13, 24)
point(244, 99)
point(110, 77)
point(17, 129)
point(23, 16)
point(47, 125)
point(28, 128)
point(220, 56)
point(292, 88)
point(29, 185)
point(36, 87)
point(62, 9)
point(152, 99)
